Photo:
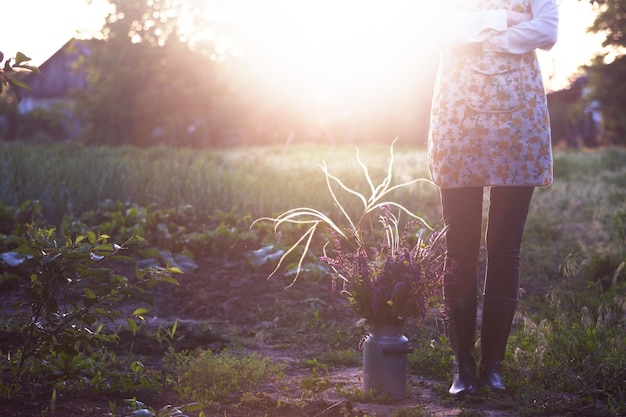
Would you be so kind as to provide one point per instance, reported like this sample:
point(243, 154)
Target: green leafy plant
point(71, 289)
point(387, 272)
point(431, 358)
point(318, 381)
point(8, 73)
point(210, 378)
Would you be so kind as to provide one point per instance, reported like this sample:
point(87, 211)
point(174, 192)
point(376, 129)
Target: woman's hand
point(515, 18)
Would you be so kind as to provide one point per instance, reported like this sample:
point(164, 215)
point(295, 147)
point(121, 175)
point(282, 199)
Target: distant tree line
point(148, 85)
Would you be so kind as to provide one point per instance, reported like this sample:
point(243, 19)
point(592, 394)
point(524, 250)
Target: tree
point(608, 79)
point(146, 85)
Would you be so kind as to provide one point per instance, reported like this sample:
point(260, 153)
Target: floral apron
point(489, 118)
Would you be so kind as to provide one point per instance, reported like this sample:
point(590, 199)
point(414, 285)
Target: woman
point(489, 128)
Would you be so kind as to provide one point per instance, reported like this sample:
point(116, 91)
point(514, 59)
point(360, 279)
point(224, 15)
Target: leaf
point(91, 236)
point(90, 294)
point(32, 68)
point(137, 366)
point(140, 311)
point(104, 248)
point(172, 332)
point(170, 280)
point(18, 84)
point(132, 325)
point(123, 258)
point(174, 269)
point(20, 57)
point(191, 407)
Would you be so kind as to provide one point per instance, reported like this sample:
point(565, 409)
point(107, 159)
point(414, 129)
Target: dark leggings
point(462, 212)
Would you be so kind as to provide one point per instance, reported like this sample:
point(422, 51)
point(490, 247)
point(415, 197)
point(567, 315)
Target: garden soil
point(223, 304)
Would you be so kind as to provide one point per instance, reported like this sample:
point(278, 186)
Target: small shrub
point(69, 290)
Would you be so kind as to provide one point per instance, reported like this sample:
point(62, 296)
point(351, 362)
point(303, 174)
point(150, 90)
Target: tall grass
point(69, 179)
point(582, 212)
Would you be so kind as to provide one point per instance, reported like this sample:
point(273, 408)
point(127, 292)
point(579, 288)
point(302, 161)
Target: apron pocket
point(493, 83)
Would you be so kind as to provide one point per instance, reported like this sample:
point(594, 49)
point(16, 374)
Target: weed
point(211, 378)
point(431, 358)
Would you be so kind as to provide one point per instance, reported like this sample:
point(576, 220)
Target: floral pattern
point(489, 120)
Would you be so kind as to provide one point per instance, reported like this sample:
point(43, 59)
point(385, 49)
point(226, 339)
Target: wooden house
point(51, 91)
point(60, 77)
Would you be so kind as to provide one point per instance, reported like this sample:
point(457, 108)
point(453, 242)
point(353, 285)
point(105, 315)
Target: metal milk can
point(385, 361)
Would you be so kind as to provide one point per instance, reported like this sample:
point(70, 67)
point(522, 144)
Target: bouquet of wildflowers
point(392, 282)
point(388, 273)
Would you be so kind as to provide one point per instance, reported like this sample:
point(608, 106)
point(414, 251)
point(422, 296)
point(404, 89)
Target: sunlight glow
point(333, 54)
point(330, 62)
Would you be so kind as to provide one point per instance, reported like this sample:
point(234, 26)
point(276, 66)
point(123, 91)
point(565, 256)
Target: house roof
point(59, 75)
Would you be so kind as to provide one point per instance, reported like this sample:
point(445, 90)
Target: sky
point(40, 27)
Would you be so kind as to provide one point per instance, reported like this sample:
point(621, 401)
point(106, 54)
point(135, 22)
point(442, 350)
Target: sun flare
point(333, 54)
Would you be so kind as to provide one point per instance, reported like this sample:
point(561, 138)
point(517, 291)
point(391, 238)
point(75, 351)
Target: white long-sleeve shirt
point(450, 25)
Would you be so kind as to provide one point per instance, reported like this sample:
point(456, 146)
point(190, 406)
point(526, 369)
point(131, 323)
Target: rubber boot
point(461, 327)
point(498, 313)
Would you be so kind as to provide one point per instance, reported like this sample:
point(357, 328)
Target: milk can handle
point(395, 350)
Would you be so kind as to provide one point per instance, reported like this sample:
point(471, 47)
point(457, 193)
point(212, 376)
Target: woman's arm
point(452, 29)
point(515, 18)
point(495, 30)
point(540, 32)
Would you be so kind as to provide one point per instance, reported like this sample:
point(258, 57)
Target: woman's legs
point(508, 210)
point(462, 213)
